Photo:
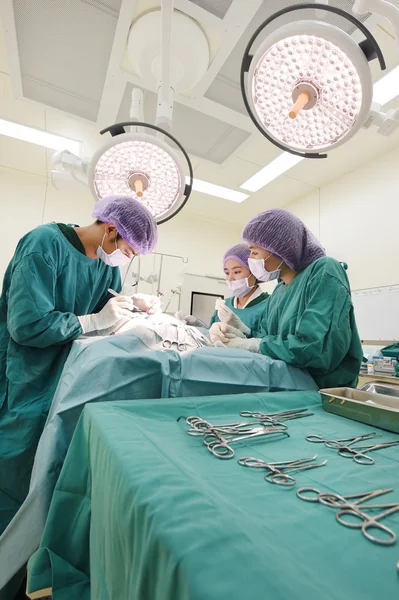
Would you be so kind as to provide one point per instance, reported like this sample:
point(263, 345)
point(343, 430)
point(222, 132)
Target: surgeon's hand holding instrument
point(226, 315)
point(147, 303)
point(277, 472)
point(116, 295)
point(116, 309)
point(353, 506)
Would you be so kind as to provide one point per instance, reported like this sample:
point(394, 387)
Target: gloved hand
point(226, 315)
point(251, 344)
point(116, 309)
point(190, 320)
point(220, 332)
point(147, 303)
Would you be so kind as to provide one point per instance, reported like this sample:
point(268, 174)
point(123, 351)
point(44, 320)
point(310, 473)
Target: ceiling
point(71, 56)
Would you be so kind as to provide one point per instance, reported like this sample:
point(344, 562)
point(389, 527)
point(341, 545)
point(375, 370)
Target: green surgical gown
point(310, 324)
point(48, 283)
point(251, 315)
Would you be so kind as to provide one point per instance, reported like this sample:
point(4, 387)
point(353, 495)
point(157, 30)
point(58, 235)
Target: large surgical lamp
point(144, 167)
point(308, 87)
point(143, 160)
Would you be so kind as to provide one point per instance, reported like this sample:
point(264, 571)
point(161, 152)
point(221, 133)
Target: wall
point(356, 219)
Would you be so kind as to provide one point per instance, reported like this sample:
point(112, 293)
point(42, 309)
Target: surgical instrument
point(286, 415)
point(113, 293)
point(218, 438)
point(317, 439)
point(277, 472)
point(352, 505)
point(169, 343)
point(346, 447)
point(220, 445)
point(358, 453)
point(201, 427)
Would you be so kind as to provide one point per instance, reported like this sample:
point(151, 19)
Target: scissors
point(350, 505)
point(277, 472)
point(286, 415)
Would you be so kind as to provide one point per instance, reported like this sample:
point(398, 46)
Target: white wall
point(356, 218)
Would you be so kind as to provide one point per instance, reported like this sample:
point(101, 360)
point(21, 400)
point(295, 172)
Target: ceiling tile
point(201, 135)
point(65, 45)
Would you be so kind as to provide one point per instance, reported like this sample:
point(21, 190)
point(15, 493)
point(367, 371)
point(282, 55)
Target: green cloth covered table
point(143, 511)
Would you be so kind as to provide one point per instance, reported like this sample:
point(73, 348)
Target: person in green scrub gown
point(247, 301)
point(55, 290)
point(309, 319)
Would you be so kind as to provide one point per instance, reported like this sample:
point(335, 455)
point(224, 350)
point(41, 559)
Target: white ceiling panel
point(280, 192)
point(64, 48)
point(200, 134)
point(363, 147)
point(218, 8)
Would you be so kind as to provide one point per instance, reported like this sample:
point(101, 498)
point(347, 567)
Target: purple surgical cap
point(240, 252)
point(133, 221)
point(284, 235)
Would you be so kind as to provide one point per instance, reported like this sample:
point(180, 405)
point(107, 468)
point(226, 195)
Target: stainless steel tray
point(381, 387)
point(377, 410)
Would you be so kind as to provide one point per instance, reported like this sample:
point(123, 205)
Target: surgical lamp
point(143, 160)
point(142, 166)
point(309, 87)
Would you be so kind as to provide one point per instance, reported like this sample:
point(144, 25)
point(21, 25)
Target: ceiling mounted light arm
point(306, 93)
point(164, 114)
point(381, 8)
point(165, 150)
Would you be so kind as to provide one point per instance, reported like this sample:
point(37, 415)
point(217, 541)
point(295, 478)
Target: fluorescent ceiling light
point(219, 191)
point(274, 169)
point(36, 136)
point(386, 88)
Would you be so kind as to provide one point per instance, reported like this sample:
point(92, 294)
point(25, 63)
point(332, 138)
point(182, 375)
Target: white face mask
point(257, 267)
point(240, 287)
point(115, 259)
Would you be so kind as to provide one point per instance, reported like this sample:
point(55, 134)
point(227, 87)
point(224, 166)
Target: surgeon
point(309, 320)
point(55, 290)
point(246, 305)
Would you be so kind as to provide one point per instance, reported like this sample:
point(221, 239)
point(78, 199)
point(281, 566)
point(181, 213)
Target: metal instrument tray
point(377, 410)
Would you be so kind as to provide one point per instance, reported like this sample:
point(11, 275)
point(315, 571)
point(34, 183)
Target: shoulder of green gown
point(41, 239)
point(328, 266)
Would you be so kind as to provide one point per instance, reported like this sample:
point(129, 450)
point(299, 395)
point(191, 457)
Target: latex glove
point(190, 320)
point(251, 344)
point(147, 303)
point(220, 332)
point(226, 315)
point(116, 309)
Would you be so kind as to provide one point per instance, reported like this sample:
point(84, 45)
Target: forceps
point(277, 472)
point(350, 505)
point(358, 452)
point(200, 427)
point(296, 413)
point(168, 343)
point(219, 445)
point(337, 444)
